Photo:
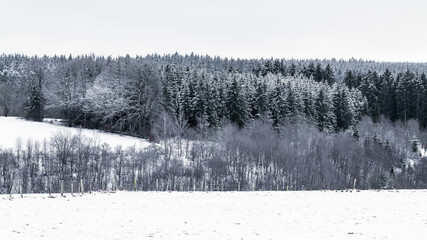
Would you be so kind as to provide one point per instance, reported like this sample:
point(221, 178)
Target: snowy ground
point(229, 215)
point(12, 128)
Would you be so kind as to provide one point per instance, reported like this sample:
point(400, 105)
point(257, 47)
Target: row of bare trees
point(298, 157)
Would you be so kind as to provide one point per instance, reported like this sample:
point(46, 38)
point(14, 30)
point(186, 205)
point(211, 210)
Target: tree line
point(203, 113)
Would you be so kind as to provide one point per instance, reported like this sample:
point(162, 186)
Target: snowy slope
point(216, 215)
point(12, 128)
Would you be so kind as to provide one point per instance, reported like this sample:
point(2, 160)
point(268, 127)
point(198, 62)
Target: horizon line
point(116, 56)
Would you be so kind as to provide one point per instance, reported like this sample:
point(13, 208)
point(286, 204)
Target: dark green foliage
point(324, 112)
point(260, 103)
point(197, 88)
point(304, 100)
point(277, 104)
point(342, 109)
point(387, 97)
point(34, 107)
point(237, 104)
point(422, 112)
point(292, 70)
point(369, 88)
point(318, 73)
point(406, 95)
point(350, 79)
point(328, 75)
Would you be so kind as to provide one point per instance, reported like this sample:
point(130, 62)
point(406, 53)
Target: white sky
point(388, 30)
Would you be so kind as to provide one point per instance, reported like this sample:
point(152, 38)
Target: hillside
point(12, 128)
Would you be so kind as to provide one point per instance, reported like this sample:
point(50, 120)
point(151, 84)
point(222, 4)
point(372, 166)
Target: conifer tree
point(292, 69)
point(342, 108)
point(328, 75)
point(423, 101)
point(292, 104)
point(325, 117)
point(349, 79)
point(310, 70)
point(35, 105)
point(369, 89)
point(387, 95)
point(406, 94)
point(260, 103)
point(277, 103)
point(238, 106)
point(318, 73)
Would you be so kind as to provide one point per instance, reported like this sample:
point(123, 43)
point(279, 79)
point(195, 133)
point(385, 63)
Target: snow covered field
point(216, 215)
point(12, 128)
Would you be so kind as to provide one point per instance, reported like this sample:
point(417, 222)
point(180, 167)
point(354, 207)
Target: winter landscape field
point(225, 119)
point(217, 215)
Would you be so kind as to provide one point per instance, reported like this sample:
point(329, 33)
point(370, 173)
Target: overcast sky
point(387, 30)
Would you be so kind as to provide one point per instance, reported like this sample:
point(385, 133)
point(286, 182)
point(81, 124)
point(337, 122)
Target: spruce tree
point(238, 106)
point(35, 105)
point(310, 70)
point(423, 101)
point(387, 99)
point(406, 94)
point(369, 89)
point(260, 103)
point(349, 79)
point(278, 104)
point(292, 104)
point(325, 117)
point(329, 76)
point(318, 73)
point(342, 108)
point(292, 69)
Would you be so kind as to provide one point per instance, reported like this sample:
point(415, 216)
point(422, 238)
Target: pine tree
point(342, 108)
point(406, 94)
point(309, 71)
point(260, 103)
point(423, 101)
point(292, 70)
point(212, 107)
point(387, 95)
point(324, 112)
point(318, 73)
point(308, 103)
point(168, 89)
point(349, 79)
point(278, 104)
point(189, 99)
point(238, 106)
point(278, 67)
point(292, 104)
point(328, 75)
point(369, 89)
point(266, 68)
point(35, 105)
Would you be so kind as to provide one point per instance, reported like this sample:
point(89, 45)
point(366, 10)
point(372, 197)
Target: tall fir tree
point(423, 101)
point(369, 89)
point(325, 118)
point(342, 108)
point(34, 106)
point(238, 105)
point(329, 76)
point(277, 103)
point(387, 99)
point(349, 79)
